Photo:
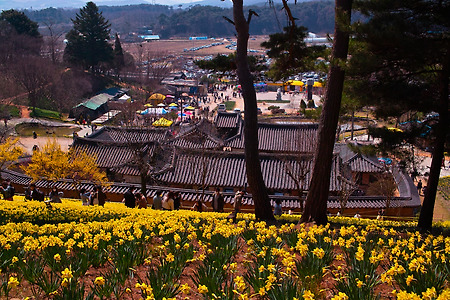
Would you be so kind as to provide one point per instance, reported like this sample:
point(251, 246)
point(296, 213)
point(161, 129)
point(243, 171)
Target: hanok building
point(207, 155)
point(97, 105)
point(203, 156)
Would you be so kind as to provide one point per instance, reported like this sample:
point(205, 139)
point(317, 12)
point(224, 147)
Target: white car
point(221, 108)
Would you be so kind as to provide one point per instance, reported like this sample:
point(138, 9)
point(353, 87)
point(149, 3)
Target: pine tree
point(21, 23)
point(290, 52)
point(119, 60)
point(87, 43)
point(317, 198)
point(403, 65)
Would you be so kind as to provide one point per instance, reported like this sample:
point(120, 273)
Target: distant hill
point(170, 21)
point(229, 3)
point(42, 4)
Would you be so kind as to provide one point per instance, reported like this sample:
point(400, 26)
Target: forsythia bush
point(73, 252)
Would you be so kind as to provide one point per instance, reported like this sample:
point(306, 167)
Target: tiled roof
point(227, 120)
point(130, 135)
point(227, 169)
point(361, 164)
point(358, 162)
point(288, 202)
point(110, 155)
point(196, 140)
point(198, 136)
point(281, 138)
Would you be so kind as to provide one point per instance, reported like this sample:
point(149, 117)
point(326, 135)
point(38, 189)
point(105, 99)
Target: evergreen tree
point(403, 65)
point(317, 198)
point(290, 52)
point(19, 36)
point(119, 59)
point(87, 42)
point(20, 22)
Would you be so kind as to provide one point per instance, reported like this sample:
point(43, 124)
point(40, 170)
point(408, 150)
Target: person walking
point(218, 201)
point(93, 199)
point(199, 206)
point(177, 200)
point(84, 197)
point(277, 210)
point(236, 205)
point(33, 193)
point(168, 203)
point(101, 196)
point(157, 200)
point(7, 195)
point(54, 195)
point(141, 200)
point(129, 199)
point(419, 187)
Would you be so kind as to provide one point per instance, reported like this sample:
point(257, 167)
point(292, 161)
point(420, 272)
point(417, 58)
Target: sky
point(40, 4)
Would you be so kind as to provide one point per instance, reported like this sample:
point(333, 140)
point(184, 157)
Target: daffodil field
point(73, 252)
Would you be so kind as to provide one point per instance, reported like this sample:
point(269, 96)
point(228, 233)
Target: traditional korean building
point(205, 155)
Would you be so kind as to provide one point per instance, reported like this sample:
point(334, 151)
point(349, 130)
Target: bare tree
point(35, 74)
point(68, 88)
point(201, 158)
point(139, 60)
point(158, 67)
point(348, 185)
point(385, 185)
point(298, 169)
point(53, 40)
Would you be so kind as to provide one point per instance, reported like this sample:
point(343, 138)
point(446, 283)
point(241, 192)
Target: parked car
point(237, 110)
point(221, 108)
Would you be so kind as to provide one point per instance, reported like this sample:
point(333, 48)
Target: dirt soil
point(176, 47)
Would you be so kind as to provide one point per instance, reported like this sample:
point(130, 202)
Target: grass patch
point(274, 101)
point(230, 104)
point(14, 111)
point(44, 113)
point(10, 110)
point(26, 129)
point(444, 187)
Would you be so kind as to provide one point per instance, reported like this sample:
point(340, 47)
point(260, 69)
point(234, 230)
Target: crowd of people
point(169, 201)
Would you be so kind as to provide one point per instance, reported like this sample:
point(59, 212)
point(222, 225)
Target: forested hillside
point(317, 16)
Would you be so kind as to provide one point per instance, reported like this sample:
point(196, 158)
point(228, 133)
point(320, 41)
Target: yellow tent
point(317, 84)
point(190, 108)
point(157, 96)
point(148, 105)
point(173, 104)
point(295, 82)
point(163, 122)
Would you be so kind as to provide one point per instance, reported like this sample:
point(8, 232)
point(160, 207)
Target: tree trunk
point(353, 125)
point(263, 209)
point(144, 184)
point(316, 200)
point(426, 213)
